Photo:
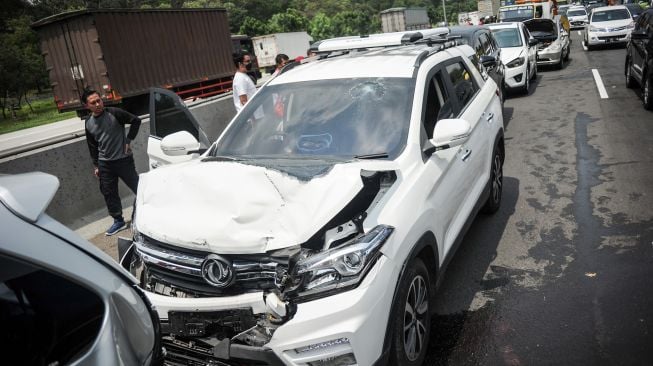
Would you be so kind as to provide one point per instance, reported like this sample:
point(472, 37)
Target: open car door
point(169, 114)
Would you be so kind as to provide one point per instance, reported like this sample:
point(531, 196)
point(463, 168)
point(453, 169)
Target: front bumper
point(549, 57)
point(574, 24)
point(349, 323)
point(515, 77)
point(600, 38)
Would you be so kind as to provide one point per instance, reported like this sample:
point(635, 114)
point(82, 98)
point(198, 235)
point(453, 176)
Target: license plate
point(199, 324)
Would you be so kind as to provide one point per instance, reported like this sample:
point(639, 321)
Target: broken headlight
point(337, 269)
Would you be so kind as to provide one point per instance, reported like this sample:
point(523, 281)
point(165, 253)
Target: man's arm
point(92, 148)
point(126, 118)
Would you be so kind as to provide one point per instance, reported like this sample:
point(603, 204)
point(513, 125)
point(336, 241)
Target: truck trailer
point(267, 47)
point(122, 53)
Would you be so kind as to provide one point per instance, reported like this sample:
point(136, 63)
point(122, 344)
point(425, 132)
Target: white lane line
point(579, 33)
point(599, 84)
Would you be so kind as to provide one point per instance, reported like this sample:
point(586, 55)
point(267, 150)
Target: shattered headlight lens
point(340, 268)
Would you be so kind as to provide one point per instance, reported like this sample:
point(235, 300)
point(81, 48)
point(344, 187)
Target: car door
point(638, 46)
point(169, 114)
point(445, 168)
point(475, 101)
point(531, 50)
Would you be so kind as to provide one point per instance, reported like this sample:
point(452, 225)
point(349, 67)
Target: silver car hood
point(229, 207)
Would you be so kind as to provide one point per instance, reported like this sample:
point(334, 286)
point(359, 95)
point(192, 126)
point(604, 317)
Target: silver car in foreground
point(62, 300)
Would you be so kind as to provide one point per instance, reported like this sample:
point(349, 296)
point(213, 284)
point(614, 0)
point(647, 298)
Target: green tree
point(352, 23)
point(21, 64)
point(290, 21)
point(321, 27)
point(253, 27)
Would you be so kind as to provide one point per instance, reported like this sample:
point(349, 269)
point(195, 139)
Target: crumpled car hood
point(228, 207)
point(510, 53)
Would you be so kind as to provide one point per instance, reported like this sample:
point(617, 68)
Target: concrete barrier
point(79, 200)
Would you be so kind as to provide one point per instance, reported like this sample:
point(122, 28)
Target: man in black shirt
point(111, 152)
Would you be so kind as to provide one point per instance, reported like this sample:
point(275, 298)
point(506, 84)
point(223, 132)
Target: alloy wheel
point(497, 182)
point(415, 317)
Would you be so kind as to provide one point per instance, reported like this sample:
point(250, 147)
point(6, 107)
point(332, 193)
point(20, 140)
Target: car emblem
point(217, 271)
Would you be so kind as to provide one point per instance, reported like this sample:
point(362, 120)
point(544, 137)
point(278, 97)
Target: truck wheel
point(411, 318)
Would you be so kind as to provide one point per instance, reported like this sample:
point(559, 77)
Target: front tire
point(630, 80)
point(647, 92)
point(411, 318)
point(496, 184)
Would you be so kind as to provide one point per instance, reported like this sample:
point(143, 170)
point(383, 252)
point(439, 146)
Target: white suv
point(314, 231)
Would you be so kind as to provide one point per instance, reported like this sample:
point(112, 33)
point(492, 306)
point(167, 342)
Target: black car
point(635, 10)
point(639, 57)
point(480, 38)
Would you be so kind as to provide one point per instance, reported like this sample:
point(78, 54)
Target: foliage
point(290, 21)
point(43, 111)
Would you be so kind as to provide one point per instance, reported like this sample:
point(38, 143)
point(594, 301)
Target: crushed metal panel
point(227, 207)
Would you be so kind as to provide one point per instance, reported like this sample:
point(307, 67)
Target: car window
point(462, 82)
point(507, 37)
point(169, 119)
point(46, 318)
point(438, 105)
point(334, 117)
point(485, 44)
point(610, 15)
point(526, 34)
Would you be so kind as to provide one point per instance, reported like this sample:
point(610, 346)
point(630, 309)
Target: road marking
point(599, 84)
point(579, 33)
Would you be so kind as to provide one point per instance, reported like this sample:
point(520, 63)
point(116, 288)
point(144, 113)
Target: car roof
point(611, 7)
point(577, 7)
point(466, 30)
point(504, 25)
point(389, 62)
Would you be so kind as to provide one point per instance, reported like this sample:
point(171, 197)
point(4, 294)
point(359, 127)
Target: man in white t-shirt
point(243, 87)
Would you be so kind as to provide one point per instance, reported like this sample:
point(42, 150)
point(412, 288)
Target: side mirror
point(488, 61)
point(532, 42)
point(179, 143)
point(449, 133)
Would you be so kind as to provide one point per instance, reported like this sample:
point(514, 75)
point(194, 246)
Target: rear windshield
point(609, 15)
point(507, 37)
point(519, 13)
point(574, 13)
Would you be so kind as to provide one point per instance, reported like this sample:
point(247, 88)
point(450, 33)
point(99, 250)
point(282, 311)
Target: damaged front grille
point(177, 272)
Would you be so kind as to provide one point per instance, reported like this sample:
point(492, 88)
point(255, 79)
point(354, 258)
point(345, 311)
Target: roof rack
point(377, 40)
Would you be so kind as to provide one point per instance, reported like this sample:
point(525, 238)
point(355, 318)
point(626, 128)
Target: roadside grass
point(45, 111)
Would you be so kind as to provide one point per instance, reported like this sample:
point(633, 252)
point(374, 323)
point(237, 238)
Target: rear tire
point(496, 183)
point(411, 317)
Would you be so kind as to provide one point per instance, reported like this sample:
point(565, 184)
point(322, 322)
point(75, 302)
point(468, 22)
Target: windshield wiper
point(220, 158)
point(372, 156)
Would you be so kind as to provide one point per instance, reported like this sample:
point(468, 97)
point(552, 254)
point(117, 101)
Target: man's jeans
point(109, 172)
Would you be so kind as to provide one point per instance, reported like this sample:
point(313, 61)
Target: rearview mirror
point(450, 132)
point(179, 143)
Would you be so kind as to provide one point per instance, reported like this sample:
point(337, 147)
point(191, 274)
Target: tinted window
point(463, 85)
point(609, 15)
point(438, 105)
point(578, 12)
point(170, 118)
point(335, 117)
point(46, 319)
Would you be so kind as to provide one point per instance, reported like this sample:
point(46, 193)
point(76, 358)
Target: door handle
point(467, 154)
point(489, 116)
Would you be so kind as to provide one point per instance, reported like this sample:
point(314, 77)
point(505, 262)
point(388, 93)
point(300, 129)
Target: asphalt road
point(563, 273)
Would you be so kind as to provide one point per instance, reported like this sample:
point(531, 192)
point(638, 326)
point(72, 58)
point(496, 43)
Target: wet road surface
point(563, 273)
